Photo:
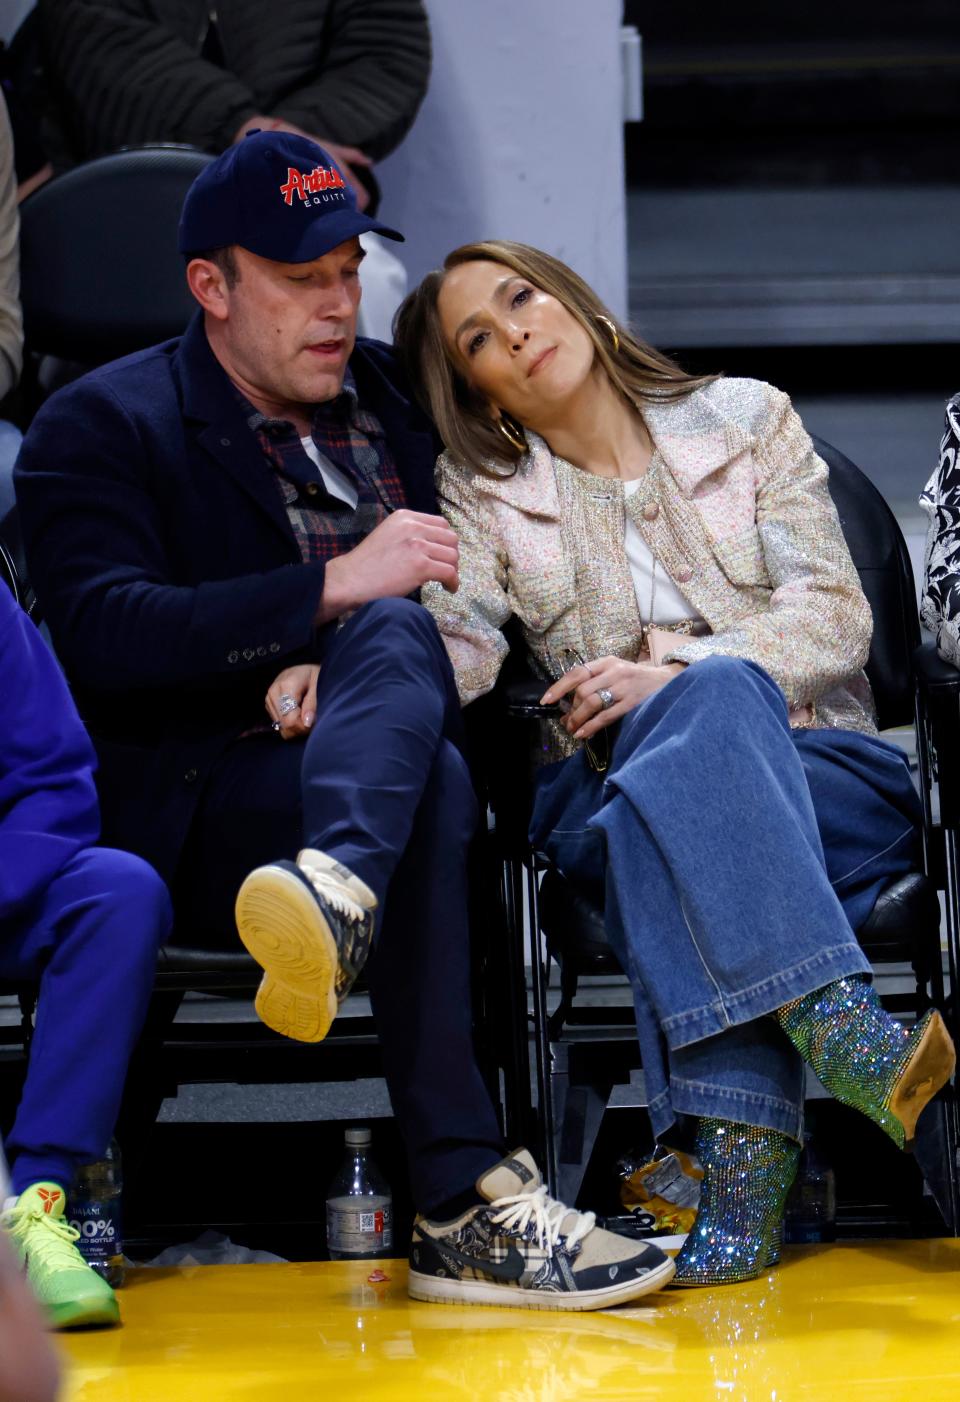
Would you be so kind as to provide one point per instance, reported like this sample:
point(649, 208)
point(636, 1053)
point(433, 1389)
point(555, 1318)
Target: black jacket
point(167, 569)
point(126, 72)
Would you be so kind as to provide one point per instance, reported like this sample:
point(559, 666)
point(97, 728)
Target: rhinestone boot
point(747, 1173)
point(866, 1058)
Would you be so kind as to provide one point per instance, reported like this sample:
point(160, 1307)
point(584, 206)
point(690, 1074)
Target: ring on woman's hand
point(275, 725)
point(286, 704)
point(606, 698)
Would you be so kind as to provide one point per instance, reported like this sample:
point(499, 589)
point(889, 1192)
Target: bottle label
point(101, 1232)
point(363, 1230)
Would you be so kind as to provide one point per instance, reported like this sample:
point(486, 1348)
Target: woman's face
point(515, 344)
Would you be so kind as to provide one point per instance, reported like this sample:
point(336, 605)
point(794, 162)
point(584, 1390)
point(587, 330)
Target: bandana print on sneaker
point(354, 939)
point(482, 1250)
point(524, 1249)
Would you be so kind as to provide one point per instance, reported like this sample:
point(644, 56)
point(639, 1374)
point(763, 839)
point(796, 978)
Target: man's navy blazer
point(167, 570)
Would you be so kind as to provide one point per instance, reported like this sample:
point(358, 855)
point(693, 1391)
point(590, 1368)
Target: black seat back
point(880, 554)
point(100, 273)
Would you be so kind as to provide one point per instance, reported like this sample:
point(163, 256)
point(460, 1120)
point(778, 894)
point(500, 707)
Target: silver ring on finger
point(286, 704)
point(275, 725)
point(607, 698)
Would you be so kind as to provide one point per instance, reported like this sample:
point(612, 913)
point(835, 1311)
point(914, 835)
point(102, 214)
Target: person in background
point(18, 71)
point(11, 319)
point(227, 534)
point(670, 547)
point(940, 499)
point(86, 923)
point(348, 74)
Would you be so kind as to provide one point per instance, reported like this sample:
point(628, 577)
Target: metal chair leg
point(568, 991)
point(541, 1034)
point(27, 998)
point(952, 1010)
point(518, 1107)
point(941, 865)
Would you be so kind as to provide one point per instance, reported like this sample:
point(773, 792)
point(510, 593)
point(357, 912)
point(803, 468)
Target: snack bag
point(663, 1193)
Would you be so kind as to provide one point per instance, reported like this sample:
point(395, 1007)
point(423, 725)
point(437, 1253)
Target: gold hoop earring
point(612, 328)
point(512, 432)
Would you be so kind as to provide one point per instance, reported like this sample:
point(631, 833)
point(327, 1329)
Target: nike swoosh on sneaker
point(510, 1268)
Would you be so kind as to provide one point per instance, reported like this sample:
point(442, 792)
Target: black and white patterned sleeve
point(940, 499)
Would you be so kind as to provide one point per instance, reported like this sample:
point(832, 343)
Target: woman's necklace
point(645, 627)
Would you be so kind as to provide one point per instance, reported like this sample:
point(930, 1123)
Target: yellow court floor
point(863, 1323)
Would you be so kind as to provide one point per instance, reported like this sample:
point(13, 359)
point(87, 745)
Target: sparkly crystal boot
point(747, 1173)
point(866, 1058)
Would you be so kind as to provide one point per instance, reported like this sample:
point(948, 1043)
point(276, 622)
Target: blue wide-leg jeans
point(736, 858)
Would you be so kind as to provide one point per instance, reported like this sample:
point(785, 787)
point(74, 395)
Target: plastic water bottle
point(359, 1206)
point(95, 1210)
point(812, 1205)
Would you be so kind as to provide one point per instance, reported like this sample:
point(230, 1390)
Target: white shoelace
point(517, 1210)
point(328, 886)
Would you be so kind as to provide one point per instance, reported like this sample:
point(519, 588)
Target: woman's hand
point(628, 682)
point(300, 684)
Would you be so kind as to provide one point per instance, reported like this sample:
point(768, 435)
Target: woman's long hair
point(462, 416)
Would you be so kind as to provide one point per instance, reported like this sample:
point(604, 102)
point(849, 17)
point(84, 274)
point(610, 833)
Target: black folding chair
point(100, 274)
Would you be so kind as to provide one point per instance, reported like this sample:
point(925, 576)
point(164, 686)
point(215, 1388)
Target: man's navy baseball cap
point(275, 194)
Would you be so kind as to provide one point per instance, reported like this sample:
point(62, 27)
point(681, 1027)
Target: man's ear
point(209, 286)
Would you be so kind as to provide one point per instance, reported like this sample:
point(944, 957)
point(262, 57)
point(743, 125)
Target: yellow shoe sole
point(283, 927)
point(929, 1068)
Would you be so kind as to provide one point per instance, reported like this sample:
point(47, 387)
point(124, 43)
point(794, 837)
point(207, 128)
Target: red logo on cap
point(310, 183)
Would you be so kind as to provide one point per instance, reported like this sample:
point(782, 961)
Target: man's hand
point(404, 552)
point(628, 682)
point(299, 683)
point(345, 156)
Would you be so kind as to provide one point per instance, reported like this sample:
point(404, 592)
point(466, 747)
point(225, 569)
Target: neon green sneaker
point(71, 1293)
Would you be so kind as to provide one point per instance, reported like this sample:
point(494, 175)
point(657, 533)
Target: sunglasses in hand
point(598, 747)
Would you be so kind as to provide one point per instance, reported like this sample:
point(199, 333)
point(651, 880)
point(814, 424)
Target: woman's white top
point(335, 480)
point(669, 605)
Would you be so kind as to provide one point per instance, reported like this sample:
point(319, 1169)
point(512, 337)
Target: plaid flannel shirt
point(352, 439)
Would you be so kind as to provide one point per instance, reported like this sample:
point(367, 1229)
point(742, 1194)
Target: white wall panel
point(520, 136)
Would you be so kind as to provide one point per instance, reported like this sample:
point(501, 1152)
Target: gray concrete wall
point(520, 137)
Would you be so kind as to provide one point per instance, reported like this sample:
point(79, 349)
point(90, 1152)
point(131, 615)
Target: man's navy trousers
point(382, 785)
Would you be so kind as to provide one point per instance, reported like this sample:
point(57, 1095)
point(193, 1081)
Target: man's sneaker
point(70, 1292)
point(309, 924)
point(526, 1250)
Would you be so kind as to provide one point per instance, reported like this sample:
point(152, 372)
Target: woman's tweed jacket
point(736, 508)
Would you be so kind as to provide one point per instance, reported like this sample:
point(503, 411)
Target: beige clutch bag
point(659, 642)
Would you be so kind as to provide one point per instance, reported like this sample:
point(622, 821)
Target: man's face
point(288, 329)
